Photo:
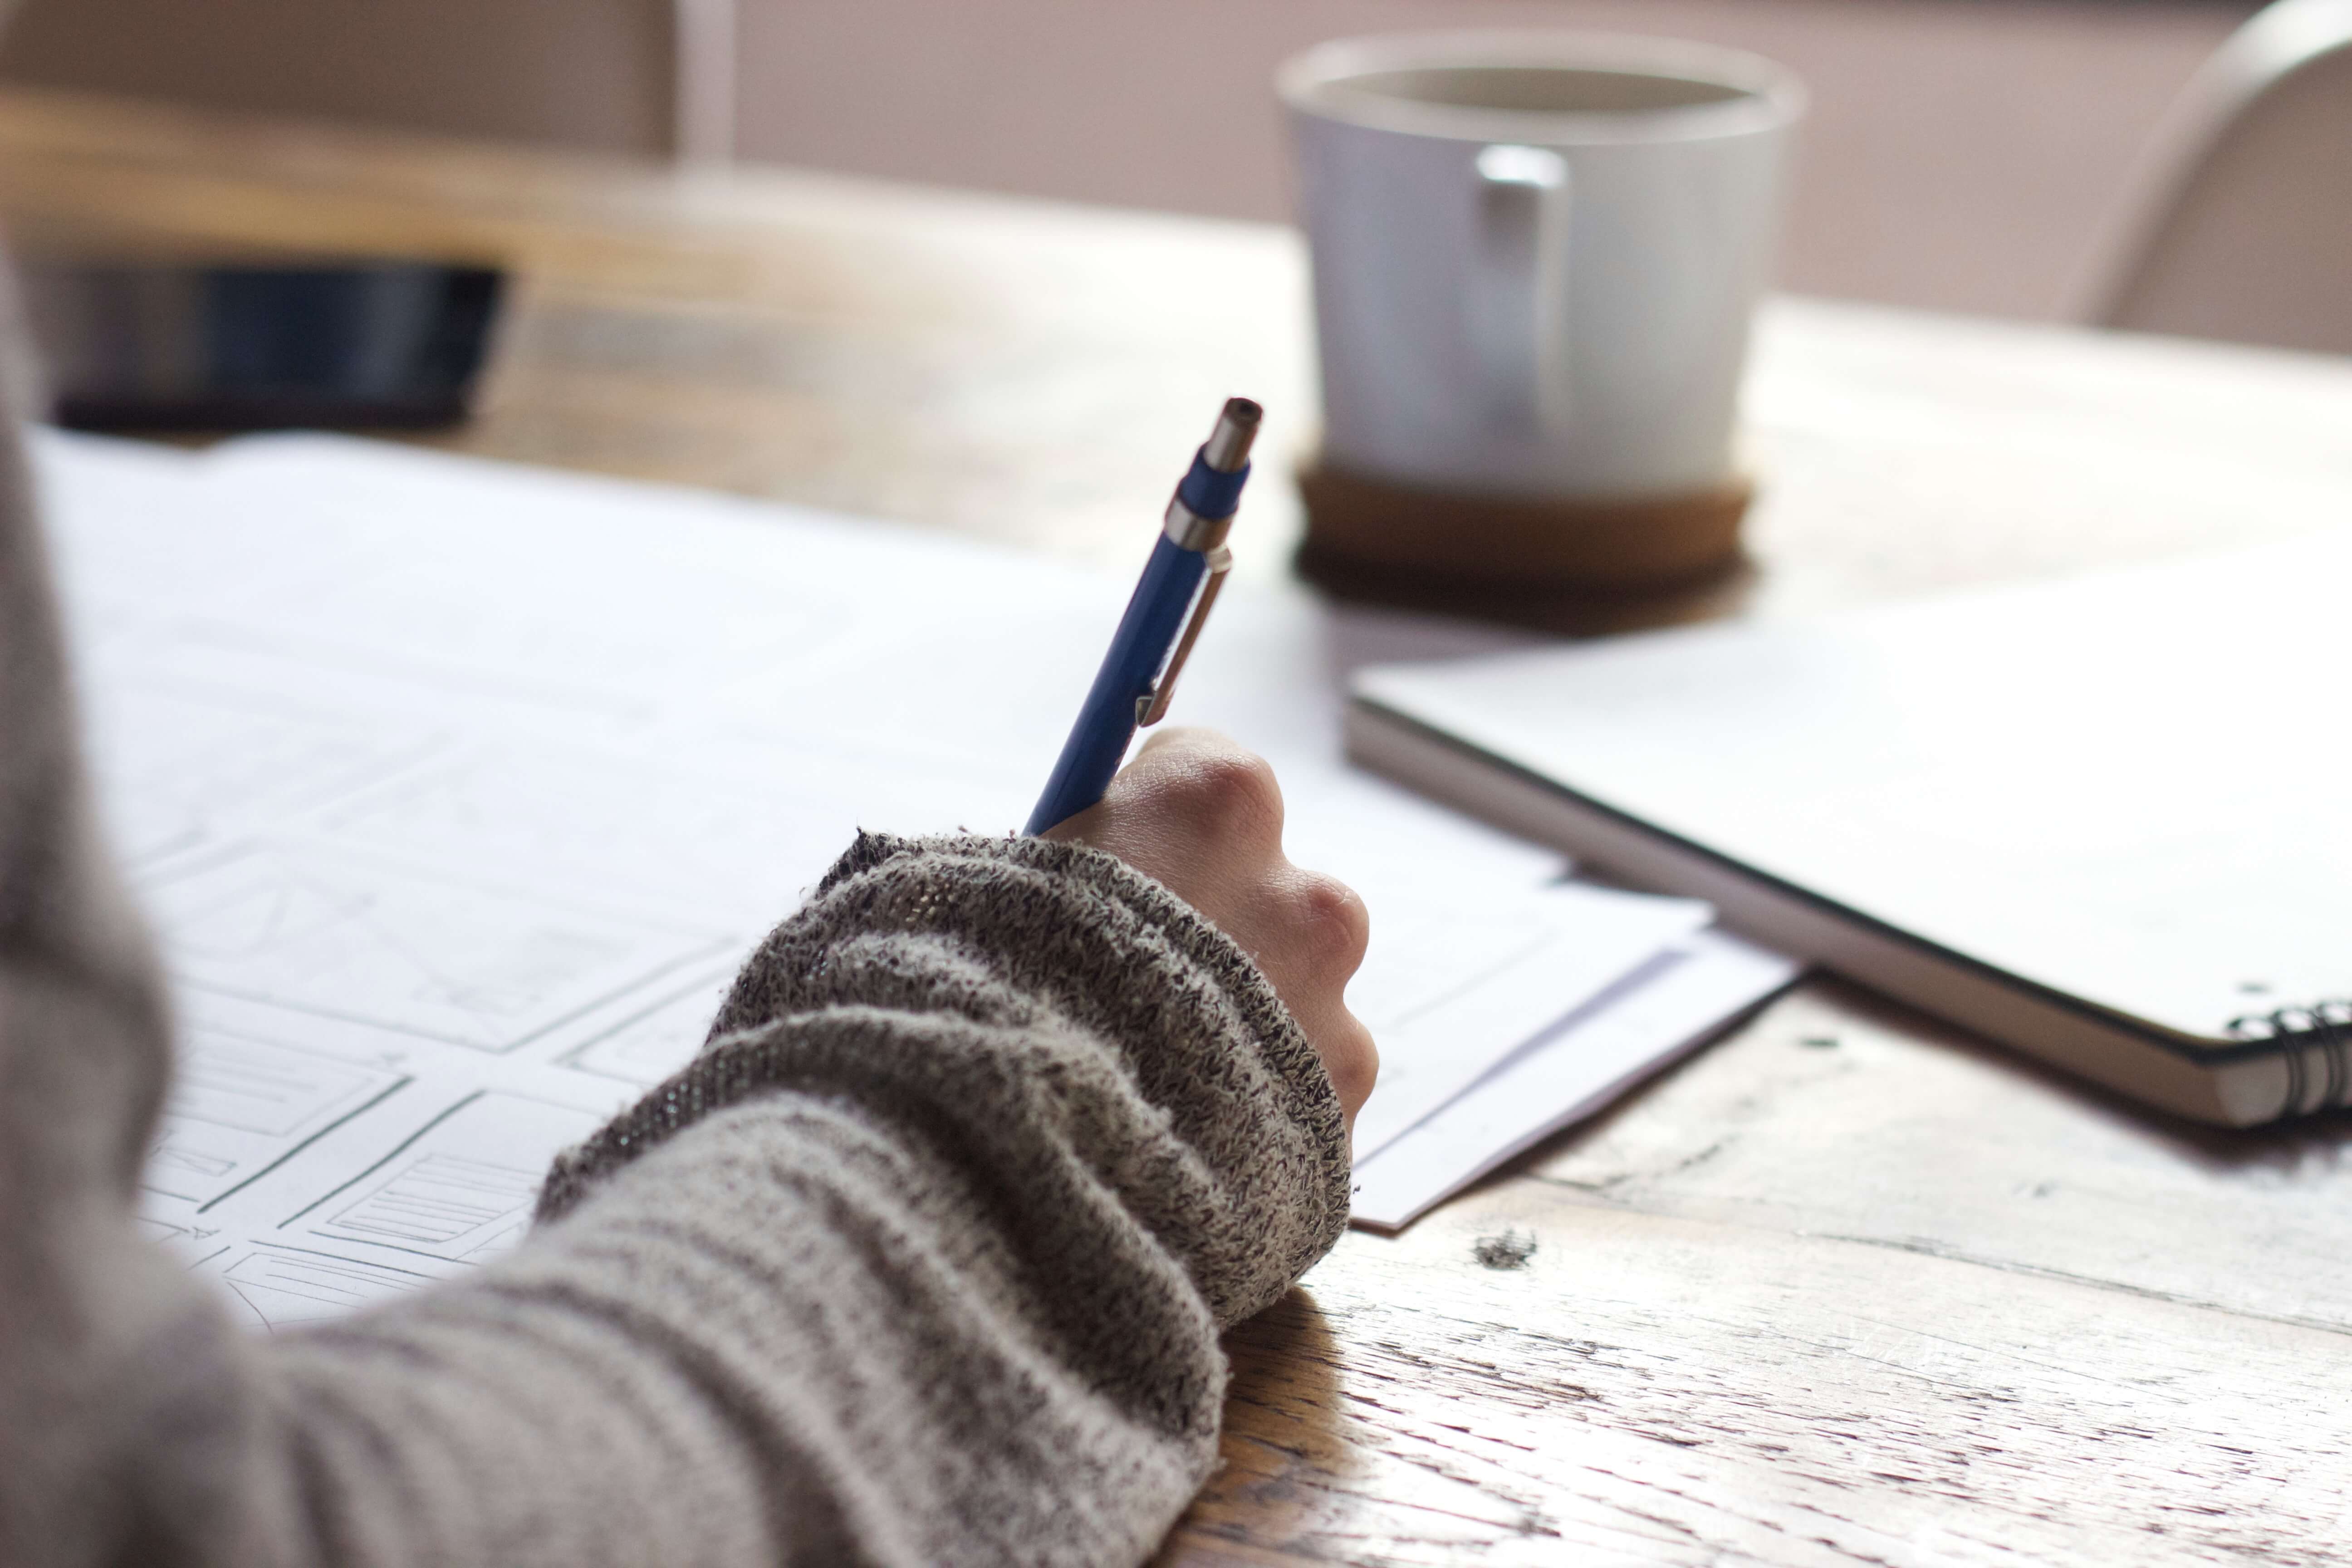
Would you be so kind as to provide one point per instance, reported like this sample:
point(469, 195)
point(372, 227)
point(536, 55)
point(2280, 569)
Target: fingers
point(1320, 934)
point(1350, 1058)
point(1309, 937)
point(1332, 922)
point(1217, 790)
point(1204, 816)
point(1186, 792)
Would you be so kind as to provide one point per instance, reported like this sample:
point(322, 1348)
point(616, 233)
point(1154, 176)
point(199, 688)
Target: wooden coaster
point(1363, 531)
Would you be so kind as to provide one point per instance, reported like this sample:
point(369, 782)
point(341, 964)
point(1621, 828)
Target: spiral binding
point(2327, 1026)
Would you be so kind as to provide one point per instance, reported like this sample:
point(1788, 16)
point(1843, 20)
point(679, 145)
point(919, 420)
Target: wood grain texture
point(1848, 1288)
point(1893, 1299)
point(1016, 372)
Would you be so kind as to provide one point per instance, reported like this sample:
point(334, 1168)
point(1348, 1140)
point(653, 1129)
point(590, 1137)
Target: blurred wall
point(588, 73)
point(1963, 155)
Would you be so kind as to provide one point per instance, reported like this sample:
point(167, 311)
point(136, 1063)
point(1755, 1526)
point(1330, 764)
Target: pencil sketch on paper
point(178, 766)
point(237, 1106)
point(193, 1244)
point(551, 818)
point(458, 1190)
point(441, 1205)
point(281, 1286)
point(650, 1045)
point(299, 926)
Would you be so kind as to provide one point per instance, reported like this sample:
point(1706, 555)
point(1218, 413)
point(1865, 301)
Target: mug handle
point(1516, 303)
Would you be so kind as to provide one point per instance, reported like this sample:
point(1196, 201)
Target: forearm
point(924, 1260)
point(785, 1336)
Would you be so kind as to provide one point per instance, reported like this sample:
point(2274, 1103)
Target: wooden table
point(1848, 1288)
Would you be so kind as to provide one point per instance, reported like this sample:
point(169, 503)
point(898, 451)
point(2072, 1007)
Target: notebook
point(2106, 819)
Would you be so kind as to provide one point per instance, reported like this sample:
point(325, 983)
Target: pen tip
point(1228, 446)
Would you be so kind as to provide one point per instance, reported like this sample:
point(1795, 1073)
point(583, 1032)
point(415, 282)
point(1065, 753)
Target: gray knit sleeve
point(923, 1260)
point(1048, 1010)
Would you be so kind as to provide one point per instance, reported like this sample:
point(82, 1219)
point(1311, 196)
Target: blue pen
point(1188, 565)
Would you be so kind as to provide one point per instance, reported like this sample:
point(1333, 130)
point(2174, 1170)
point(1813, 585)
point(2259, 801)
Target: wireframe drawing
point(281, 1286)
point(551, 817)
point(458, 1190)
point(181, 766)
point(656, 1042)
point(295, 924)
point(239, 1106)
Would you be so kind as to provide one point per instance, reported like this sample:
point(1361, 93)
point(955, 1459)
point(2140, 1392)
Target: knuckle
point(1231, 792)
point(1353, 1060)
point(1336, 925)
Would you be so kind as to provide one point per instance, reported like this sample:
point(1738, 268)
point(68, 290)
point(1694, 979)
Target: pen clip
point(1152, 706)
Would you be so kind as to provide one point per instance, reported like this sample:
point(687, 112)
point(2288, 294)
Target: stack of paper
point(457, 792)
point(1679, 997)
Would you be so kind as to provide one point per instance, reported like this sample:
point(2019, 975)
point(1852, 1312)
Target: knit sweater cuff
point(1148, 1047)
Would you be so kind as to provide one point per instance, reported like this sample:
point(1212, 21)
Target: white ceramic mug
point(1536, 255)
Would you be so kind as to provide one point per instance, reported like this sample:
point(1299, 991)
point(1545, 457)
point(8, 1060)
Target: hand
point(1203, 817)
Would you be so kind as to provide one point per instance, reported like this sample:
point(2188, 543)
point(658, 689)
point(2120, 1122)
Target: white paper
point(457, 792)
point(1653, 1018)
point(1449, 991)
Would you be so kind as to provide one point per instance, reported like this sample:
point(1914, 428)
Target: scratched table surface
point(1848, 1286)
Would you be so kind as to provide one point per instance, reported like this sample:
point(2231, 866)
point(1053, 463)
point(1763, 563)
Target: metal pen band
point(1188, 530)
point(1203, 508)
